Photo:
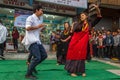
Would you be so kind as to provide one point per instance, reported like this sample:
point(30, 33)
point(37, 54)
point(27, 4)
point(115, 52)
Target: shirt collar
point(38, 18)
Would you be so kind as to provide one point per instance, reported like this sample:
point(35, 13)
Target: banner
point(20, 17)
point(16, 3)
point(73, 3)
point(55, 8)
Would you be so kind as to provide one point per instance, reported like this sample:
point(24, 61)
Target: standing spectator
point(15, 36)
point(3, 35)
point(100, 45)
point(115, 46)
point(53, 41)
point(108, 42)
point(95, 49)
point(118, 43)
point(32, 40)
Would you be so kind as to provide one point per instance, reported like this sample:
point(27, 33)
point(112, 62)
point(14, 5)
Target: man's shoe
point(30, 77)
point(3, 58)
point(35, 71)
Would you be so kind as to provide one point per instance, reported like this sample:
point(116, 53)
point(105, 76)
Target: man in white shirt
point(3, 35)
point(32, 40)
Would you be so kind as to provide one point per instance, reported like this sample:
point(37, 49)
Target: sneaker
point(3, 58)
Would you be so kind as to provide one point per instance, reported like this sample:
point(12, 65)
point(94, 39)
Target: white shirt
point(3, 33)
point(33, 35)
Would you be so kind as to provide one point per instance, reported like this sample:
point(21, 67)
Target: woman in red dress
point(76, 55)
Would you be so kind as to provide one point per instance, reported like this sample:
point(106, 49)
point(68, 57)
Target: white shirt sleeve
point(29, 22)
point(3, 34)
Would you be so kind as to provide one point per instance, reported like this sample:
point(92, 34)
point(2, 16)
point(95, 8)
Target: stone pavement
point(23, 56)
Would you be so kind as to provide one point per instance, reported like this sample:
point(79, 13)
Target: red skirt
point(78, 46)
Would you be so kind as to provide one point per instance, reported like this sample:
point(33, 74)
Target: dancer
point(32, 40)
point(76, 55)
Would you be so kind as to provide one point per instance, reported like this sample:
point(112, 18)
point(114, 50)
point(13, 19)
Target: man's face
point(39, 12)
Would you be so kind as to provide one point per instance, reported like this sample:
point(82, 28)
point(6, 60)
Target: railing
point(109, 2)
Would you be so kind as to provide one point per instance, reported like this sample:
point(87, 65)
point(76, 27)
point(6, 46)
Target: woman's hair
point(78, 26)
point(36, 7)
point(85, 13)
point(68, 25)
point(14, 28)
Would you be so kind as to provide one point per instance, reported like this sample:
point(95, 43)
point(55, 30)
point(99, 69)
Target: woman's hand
point(63, 40)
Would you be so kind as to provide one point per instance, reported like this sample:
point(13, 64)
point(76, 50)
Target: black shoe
point(3, 58)
point(35, 71)
point(30, 77)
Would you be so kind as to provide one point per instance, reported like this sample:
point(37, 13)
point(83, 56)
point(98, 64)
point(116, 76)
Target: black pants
point(118, 52)
point(95, 50)
point(2, 45)
point(88, 56)
point(100, 52)
point(108, 52)
point(15, 43)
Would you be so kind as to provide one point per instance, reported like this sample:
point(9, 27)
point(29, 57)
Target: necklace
point(65, 32)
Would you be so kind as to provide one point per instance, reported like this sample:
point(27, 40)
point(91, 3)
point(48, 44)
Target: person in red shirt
point(15, 36)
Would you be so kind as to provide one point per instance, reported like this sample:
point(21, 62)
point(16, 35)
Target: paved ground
point(23, 56)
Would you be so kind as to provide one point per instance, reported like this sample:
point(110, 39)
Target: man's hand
point(41, 25)
point(94, 5)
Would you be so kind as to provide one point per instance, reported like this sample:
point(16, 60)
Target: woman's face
point(66, 25)
point(15, 28)
point(83, 17)
point(94, 33)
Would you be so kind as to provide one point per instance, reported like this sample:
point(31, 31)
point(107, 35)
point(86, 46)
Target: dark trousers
point(15, 43)
point(88, 56)
point(29, 58)
point(108, 51)
point(115, 51)
point(100, 52)
point(95, 50)
point(39, 54)
point(1, 49)
point(118, 52)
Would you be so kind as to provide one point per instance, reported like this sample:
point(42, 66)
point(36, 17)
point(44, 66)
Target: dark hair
point(84, 13)
point(109, 30)
point(68, 25)
point(36, 7)
point(14, 28)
